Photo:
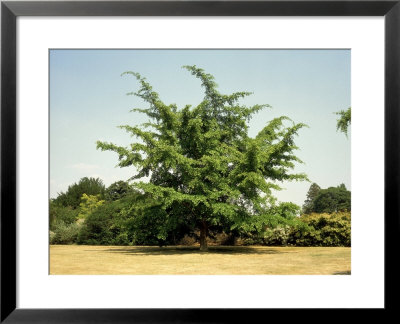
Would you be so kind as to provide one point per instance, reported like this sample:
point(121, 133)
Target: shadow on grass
point(342, 273)
point(176, 250)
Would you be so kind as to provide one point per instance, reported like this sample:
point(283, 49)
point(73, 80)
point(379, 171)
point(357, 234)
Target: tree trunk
point(203, 236)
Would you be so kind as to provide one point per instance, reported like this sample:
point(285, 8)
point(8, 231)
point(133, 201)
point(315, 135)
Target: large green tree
point(204, 168)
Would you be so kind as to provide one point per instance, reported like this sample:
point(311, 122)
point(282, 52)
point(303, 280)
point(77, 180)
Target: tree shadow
point(179, 250)
point(342, 272)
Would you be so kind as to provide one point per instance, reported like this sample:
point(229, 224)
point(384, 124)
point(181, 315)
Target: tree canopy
point(72, 197)
point(312, 193)
point(204, 168)
point(117, 190)
point(332, 199)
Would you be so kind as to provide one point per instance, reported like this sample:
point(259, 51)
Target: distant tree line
point(330, 200)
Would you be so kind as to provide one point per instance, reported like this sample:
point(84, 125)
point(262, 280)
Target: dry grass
point(180, 260)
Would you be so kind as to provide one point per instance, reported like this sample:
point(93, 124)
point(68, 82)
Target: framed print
point(223, 243)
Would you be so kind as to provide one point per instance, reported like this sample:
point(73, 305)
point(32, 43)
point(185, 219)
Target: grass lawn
point(181, 260)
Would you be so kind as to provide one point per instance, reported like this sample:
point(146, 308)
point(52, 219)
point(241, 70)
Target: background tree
point(117, 190)
point(333, 199)
point(311, 195)
point(204, 168)
point(89, 203)
point(72, 197)
point(58, 214)
point(344, 121)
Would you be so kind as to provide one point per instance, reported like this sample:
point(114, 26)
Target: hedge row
point(115, 224)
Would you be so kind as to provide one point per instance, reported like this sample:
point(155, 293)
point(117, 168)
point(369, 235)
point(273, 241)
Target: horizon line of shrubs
point(90, 214)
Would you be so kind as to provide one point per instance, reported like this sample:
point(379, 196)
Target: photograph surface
point(200, 162)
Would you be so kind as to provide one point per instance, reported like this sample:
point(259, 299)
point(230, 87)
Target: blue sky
point(88, 101)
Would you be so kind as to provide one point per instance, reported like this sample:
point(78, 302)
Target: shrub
point(63, 214)
point(64, 233)
point(52, 236)
point(277, 236)
point(324, 230)
point(135, 219)
point(149, 225)
point(89, 203)
point(103, 226)
point(216, 237)
point(187, 240)
point(122, 238)
point(274, 226)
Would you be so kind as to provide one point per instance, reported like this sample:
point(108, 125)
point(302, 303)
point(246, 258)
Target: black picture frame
point(10, 10)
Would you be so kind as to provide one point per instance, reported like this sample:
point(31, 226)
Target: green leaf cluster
point(344, 121)
point(323, 230)
point(88, 205)
point(332, 199)
point(117, 190)
point(72, 197)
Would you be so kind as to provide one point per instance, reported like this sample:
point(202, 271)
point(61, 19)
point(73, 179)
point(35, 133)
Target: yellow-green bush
point(324, 230)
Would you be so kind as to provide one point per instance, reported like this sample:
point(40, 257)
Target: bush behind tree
point(104, 226)
point(63, 233)
point(58, 213)
point(273, 227)
point(323, 230)
point(137, 219)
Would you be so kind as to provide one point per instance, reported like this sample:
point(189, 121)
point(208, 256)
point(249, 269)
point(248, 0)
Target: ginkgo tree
point(201, 163)
point(344, 121)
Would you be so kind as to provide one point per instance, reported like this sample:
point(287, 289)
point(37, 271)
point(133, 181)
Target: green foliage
point(281, 214)
point(277, 236)
point(105, 226)
point(72, 197)
point(88, 205)
point(333, 199)
point(273, 227)
point(138, 219)
point(344, 121)
point(118, 190)
point(311, 195)
point(149, 224)
point(286, 210)
point(203, 166)
point(134, 219)
point(63, 233)
point(63, 214)
point(324, 230)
